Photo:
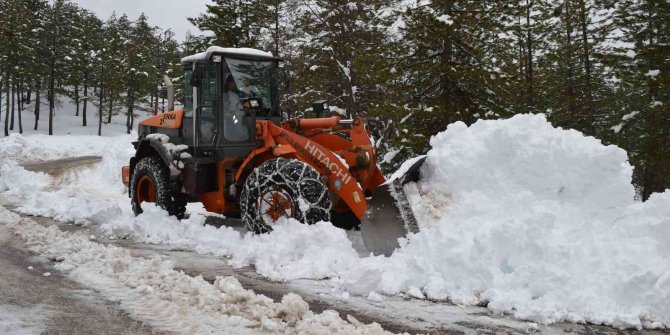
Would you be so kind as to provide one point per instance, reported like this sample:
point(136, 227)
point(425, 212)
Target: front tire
point(151, 183)
point(283, 188)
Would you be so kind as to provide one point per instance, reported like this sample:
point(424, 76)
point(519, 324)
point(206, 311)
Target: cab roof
point(231, 52)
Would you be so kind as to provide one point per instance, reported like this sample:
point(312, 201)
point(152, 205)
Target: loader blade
point(389, 215)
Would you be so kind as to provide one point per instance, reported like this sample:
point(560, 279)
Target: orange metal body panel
point(324, 151)
point(165, 120)
point(216, 201)
point(125, 175)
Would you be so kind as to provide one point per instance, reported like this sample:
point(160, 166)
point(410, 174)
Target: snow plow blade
point(389, 215)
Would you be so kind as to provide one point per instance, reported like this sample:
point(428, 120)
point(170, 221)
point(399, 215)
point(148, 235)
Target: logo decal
point(320, 159)
point(168, 120)
point(337, 183)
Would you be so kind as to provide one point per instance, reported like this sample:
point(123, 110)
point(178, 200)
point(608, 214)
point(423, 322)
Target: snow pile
point(39, 147)
point(187, 304)
point(535, 221)
point(83, 195)
point(292, 251)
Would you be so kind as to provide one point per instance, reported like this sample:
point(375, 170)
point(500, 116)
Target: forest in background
point(412, 66)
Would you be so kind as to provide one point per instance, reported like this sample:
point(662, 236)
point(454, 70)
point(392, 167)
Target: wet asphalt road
point(53, 304)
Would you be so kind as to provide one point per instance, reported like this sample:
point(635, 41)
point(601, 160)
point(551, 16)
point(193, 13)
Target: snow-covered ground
point(517, 215)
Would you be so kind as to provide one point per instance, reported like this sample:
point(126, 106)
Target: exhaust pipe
point(170, 92)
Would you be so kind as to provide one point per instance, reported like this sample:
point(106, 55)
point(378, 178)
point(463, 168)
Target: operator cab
point(225, 91)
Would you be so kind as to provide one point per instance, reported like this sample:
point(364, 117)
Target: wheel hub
point(146, 190)
point(276, 204)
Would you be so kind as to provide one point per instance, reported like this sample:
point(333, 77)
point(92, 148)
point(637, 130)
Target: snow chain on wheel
point(151, 183)
point(283, 188)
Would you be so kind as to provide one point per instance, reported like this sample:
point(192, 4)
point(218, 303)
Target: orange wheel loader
point(231, 149)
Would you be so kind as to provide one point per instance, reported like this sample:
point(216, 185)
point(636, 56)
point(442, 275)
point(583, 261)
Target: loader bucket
point(389, 215)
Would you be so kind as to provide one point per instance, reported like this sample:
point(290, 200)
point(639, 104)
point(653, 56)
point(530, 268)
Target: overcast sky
point(167, 14)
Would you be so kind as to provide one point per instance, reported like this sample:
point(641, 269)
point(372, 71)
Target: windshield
point(254, 78)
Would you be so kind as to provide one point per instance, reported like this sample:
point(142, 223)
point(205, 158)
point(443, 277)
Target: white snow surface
point(187, 305)
point(534, 221)
point(527, 219)
point(653, 73)
point(83, 196)
point(291, 251)
point(237, 51)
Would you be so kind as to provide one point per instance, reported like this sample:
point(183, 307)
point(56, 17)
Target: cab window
point(188, 94)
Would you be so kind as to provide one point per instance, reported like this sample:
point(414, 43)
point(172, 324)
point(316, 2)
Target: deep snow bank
point(533, 220)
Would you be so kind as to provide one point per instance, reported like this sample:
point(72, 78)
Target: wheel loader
point(230, 148)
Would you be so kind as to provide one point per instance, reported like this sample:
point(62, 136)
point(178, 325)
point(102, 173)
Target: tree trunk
point(100, 110)
point(155, 105)
point(130, 119)
point(129, 125)
point(111, 108)
point(7, 103)
point(1, 87)
point(28, 96)
point(76, 98)
point(276, 17)
point(570, 88)
point(590, 118)
point(52, 94)
point(83, 109)
point(11, 121)
point(129, 112)
point(151, 104)
point(37, 102)
point(19, 106)
point(529, 55)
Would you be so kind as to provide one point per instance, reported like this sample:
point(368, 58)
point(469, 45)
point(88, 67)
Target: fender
point(170, 153)
point(277, 151)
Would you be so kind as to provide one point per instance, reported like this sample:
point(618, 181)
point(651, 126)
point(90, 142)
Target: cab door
point(209, 99)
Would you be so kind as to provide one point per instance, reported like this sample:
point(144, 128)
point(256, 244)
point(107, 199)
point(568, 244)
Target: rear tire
point(151, 183)
point(283, 188)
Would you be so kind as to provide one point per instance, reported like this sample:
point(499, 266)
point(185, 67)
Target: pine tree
point(642, 62)
point(138, 67)
point(236, 23)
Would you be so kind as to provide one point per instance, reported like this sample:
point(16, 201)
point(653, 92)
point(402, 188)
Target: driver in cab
point(233, 112)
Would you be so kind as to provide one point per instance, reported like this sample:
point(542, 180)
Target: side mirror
point(196, 77)
point(319, 107)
